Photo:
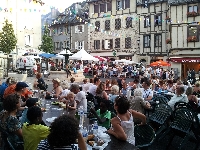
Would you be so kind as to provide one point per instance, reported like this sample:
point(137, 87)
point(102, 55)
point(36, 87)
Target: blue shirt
point(24, 118)
point(2, 88)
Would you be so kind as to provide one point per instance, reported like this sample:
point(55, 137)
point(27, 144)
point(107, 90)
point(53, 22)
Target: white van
point(26, 62)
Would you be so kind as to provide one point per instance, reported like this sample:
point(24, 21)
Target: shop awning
point(185, 59)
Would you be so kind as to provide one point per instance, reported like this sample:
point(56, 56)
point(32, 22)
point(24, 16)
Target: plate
point(50, 120)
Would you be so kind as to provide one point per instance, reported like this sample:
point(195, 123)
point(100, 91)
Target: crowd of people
point(129, 101)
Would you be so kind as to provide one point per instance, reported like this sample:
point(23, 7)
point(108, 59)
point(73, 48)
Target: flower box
point(168, 41)
point(192, 14)
point(192, 39)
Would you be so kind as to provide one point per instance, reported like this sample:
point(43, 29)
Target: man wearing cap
point(80, 97)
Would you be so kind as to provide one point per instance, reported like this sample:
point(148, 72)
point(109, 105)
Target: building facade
point(113, 27)
point(184, 35)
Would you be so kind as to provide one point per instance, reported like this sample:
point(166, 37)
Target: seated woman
point(108, 84)
point(114, 93)
point(65, 86)
point(100, 91)
point(9, 121)
point(137, 102)
point(40, 82)
point(61, 137)
point(123, 125)
point(162, 86)
point(33, 132)
point(57, 89)
point(171, 87)
point(103, 115)
point(191, 98)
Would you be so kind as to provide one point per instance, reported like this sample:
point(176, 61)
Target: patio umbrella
point(58, 57)
point(100, 58)
point(159, 63)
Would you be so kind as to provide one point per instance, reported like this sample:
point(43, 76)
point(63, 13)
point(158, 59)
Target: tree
point(8, 40)
point(47, 42)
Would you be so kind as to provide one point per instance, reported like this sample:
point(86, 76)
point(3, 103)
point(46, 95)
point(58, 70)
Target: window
point(158, 20)
point(147, 41)
point(61, 44)
point(120, 5)
point(128, 22)
point(102, 7)
point(107, 25)
point(117, 24)
point(79, 45)
point(158, 40)
point(57, 45)
point(29, 40)
point(128, 42)
point(193, 33)
point(193, 8)
point(127, 4)
point(79, 29)
point(67, 43)
point(147, 22)
point(96, 44)
point(145, 3)
point(97, 25)
point(96, 8)
point(109, 6)
point(107, 44)
point(117, 43)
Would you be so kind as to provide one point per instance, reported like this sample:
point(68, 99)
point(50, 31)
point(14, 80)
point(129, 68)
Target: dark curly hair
point(123, 104)
point(63, 131)
point(10, 102)
point(33, 113)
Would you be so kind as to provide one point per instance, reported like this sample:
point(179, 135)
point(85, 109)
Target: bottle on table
point(84, 133)
point(81, 114)
point(95, 128)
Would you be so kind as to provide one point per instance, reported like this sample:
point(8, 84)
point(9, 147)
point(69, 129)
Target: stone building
point(113, 27)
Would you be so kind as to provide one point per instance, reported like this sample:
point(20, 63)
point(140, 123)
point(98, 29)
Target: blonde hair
point(115, 89)
point(70, 94)
point(137, 92)
point(64, 84)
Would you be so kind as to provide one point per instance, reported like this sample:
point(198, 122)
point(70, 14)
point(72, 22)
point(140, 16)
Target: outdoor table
point(54, 111)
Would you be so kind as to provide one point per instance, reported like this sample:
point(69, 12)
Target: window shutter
point(127, 4)
point(109, 6)
point(106, 44)
point(76, 45)
point(111, 43)
point(98, 44)
point(103, 47)
point(95, 44)
point(83, 45)
point(103, 7)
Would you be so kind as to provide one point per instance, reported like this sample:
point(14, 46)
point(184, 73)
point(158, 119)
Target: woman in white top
point(123, 125)
point(57, 89)
point(65, 85)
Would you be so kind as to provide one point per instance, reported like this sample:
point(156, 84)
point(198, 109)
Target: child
point(103, 115)
point(71, 104)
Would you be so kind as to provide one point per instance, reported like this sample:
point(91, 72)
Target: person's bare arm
point(139, 116)
point(74, 107)
point(19, 133)
point(117, 130)
point(105, 95)
point(148, 98)
point(81, 142)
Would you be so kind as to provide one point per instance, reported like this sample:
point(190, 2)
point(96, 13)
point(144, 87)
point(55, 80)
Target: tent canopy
point(58, 57)
point(63, 52)
point(82, 55)
point(46, 55)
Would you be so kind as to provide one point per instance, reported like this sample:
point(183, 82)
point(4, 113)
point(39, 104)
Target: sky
point(60, 4)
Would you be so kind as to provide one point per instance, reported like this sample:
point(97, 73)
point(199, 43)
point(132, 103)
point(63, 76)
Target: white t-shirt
point(92, 89)
point(146, 93)
point(81, 98)
point(65, 92)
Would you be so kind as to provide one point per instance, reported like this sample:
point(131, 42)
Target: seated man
point(103, 115)
point(180, 96)
point(147, 93)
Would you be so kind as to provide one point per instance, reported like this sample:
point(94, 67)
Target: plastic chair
point(161, 99)
point(144, 136)
point(13, 145)
point(181, 125)
point(160, 117)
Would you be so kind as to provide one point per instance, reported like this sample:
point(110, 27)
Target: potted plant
point(168, 41)
point(192, 14)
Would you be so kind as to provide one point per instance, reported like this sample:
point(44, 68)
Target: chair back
point(183, 119)
point(161, 99)
point(161, 114)
point(144, 135)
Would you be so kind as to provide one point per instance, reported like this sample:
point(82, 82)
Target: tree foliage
point(47, 42)
point(8, 39)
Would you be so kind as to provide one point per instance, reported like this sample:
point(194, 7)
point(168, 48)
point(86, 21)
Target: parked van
point(25, 63)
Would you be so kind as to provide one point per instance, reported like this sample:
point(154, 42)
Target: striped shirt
point(44, 145)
